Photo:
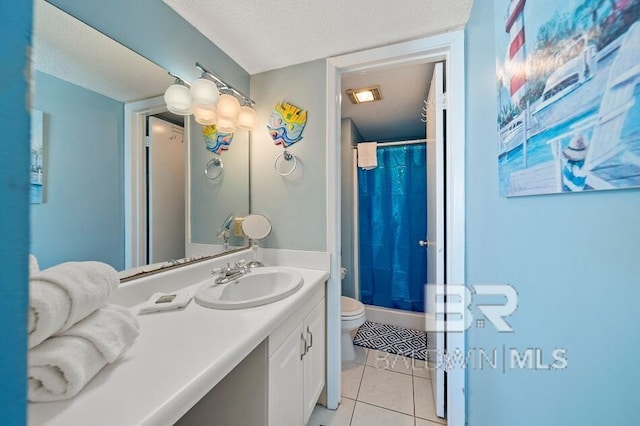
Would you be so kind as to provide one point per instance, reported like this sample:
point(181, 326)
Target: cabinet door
point(285, 381)
point(314, 360)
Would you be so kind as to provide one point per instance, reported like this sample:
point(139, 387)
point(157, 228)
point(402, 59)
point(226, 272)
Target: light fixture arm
point(222, 86)
point(178, 79)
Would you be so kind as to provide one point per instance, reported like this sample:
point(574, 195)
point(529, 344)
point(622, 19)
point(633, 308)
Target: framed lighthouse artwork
point(568, 88)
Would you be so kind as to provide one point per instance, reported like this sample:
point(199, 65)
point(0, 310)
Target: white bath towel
point(34, 268)
point(62, 365)
point(64, 294)
point(111, 329)
point(367, 155)
point(33, 265)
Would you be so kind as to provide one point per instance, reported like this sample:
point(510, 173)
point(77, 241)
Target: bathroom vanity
point(261, 366)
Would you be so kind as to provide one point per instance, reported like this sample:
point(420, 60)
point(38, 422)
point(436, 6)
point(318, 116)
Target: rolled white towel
point(34, 268)
point(61, 366)
point(33, 265)
point(111, 329)
point(64, 294)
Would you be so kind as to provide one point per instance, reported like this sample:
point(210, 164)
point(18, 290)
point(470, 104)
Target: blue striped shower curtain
point(392, 219)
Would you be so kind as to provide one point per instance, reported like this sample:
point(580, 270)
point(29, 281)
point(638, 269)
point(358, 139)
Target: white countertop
point(178, 357)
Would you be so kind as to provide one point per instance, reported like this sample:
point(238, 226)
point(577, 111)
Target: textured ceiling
point(72, 51)
point(398, 115)
point(262, 35)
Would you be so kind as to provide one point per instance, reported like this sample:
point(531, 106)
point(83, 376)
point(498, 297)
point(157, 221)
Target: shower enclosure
point(392, 207)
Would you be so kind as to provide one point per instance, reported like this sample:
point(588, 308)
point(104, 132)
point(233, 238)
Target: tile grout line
point(353, 412)
point(364, 366)
point(387, 409)
point(413, 393)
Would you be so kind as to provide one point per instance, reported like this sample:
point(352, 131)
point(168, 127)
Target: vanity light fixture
point(228, 112)
point(178, 98)
point(247, 118)
point(226, 125)
point(365, 94)
point(211, 101)
point(204, 95)
point(203, 115)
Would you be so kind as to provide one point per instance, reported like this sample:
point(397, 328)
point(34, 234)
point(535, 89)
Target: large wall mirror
point(84, 82)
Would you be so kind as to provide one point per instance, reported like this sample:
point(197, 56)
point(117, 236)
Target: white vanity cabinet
point(297, 364)
point(256, 367)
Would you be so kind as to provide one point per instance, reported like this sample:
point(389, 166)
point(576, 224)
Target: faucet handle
point(221, 269)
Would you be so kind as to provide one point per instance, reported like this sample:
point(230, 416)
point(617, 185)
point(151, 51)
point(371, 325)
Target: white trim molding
point(135, 192)
point(334, 284)
point(448, 47)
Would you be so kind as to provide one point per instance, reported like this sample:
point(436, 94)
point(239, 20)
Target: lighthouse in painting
point(516, 52)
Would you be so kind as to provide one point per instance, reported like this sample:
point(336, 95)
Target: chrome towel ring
point(215, 162)
point(285, 156)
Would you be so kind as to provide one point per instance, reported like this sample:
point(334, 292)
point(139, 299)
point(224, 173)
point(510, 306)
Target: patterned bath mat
point(392, 339)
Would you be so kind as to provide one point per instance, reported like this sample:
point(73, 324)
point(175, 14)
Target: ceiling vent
point(365, 94)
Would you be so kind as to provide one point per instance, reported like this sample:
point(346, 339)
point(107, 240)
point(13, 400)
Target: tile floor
point(380, 389)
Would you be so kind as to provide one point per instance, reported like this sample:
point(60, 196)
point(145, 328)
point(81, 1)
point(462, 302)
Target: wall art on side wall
point(286, 124)
point(568, 86)
point(216, 142)
point(36, 167)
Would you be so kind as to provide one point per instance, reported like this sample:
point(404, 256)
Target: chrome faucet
point(230, 273)
point(223, 231)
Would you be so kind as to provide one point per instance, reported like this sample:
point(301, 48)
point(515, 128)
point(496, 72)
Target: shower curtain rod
point(408, 142)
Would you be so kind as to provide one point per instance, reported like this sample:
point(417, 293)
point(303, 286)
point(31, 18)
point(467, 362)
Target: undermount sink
point(258, 287)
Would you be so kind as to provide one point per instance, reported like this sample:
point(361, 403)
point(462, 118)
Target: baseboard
point(397, 317)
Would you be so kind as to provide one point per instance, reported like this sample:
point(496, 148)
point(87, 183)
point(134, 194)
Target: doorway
point(165, 188)
point(136, 132)
point(397, 240)
point(449, 48)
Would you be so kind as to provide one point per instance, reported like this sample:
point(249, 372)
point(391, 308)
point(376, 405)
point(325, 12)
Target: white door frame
point(135, 191)
point(449, 47)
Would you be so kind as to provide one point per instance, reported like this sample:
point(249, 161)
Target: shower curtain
point(392, 219)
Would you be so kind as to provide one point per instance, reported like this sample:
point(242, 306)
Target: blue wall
point(82, 217)
point(293, 202)
point(575, 262)
point(15, 33)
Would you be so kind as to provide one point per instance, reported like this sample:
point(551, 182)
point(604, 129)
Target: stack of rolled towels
point(73, 332)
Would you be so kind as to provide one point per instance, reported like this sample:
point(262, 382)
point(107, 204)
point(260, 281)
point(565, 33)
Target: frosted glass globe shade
point(178, 99)
point(225, 125)
point(203, 115)
point(247, 118)
point(204, 92)
point(228, 107)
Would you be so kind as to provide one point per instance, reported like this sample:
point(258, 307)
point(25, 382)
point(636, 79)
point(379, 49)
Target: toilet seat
point(350, 307)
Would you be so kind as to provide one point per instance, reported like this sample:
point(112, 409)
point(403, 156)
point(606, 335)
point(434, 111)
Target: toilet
point(352, 317)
